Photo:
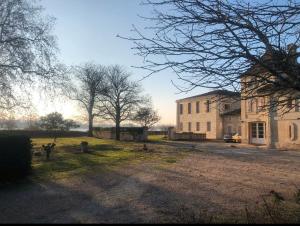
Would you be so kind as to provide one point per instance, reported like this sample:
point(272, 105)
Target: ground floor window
point(229, 129)
point(190, 126)
point(198, 126)
point(181, 126)
point(208, 126)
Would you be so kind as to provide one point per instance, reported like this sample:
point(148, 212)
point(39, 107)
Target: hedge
point(43, 133)
point(15, 156)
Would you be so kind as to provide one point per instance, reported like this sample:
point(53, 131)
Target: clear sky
point(86, 31)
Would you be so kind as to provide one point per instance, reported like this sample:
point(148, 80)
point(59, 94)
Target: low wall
point(127, 133)
point(172, 135)
point(165, 133)
point(43, 133)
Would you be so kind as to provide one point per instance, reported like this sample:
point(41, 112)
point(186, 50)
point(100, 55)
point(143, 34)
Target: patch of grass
point(156, 138)
point(67, 160)
point(171, 160)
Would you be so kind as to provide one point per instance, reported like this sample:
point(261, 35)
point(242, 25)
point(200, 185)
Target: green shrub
point(15, 156)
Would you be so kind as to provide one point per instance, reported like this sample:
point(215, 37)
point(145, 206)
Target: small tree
point(146, 117)
point(55, 121)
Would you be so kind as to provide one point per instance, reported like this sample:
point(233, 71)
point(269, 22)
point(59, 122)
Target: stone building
point(276, 128)
point(214, 113)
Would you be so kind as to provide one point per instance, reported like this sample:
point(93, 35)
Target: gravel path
point(214, 179)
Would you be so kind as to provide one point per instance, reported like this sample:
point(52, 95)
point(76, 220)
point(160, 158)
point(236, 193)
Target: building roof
point(233, 112)
point(215, 92)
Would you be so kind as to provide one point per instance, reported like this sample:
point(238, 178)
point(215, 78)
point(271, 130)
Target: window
point(181, 109)
point(240, 130)
point(292, 133)
point(189, 108)
point(208, 126)
point(297, 105)
point(198, 126)
point(227, 107)
point(197, 107)
point(261, 104)
point(229, 130)
point(190, 126)
point(181, 126)
point(207, 106)
point(289, 104)
point(250, 105)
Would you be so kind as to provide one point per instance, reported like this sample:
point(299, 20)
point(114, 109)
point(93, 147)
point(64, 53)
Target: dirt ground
point(214, 182)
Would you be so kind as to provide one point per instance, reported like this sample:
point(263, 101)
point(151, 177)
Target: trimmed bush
point(15, 156)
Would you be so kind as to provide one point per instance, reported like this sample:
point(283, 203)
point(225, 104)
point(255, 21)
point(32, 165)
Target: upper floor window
point(197, 107)
point(181, 109)
point(250, 105)
point(189, 108)
point(208, 106)
point(261, 104)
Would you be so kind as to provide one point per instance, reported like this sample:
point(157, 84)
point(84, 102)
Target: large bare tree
point(86, 88)
point(211, 43)
point(121, 99)
point(27, 48)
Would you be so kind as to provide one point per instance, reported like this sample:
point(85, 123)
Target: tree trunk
point(118, 131)
point(90, 132)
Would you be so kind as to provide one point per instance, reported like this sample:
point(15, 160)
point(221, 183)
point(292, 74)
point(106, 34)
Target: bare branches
point(121, 98)
point(211, 43)
point(86, 88)
point(27, 47)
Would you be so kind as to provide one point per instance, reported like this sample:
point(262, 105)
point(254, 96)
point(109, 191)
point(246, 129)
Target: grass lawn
point(67, 160)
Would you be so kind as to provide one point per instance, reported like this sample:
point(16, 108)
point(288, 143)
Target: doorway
point(258, 132)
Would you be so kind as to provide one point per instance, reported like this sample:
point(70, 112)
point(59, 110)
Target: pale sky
point(86, 31)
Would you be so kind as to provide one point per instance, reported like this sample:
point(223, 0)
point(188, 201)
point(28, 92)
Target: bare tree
point(27, 48)
point(121, 99)
point(86, 89)
point(211, 43)
point(146, 117)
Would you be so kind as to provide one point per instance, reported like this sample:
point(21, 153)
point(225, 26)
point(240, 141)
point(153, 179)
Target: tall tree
point(121, 99)
point(146, 117)
point(211, 43)
point(27, 48)
point(87, 87)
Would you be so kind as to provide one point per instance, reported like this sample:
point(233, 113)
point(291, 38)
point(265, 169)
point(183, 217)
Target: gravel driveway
point(214, 179)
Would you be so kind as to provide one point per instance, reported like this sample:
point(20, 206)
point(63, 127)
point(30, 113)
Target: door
point(258, 133)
